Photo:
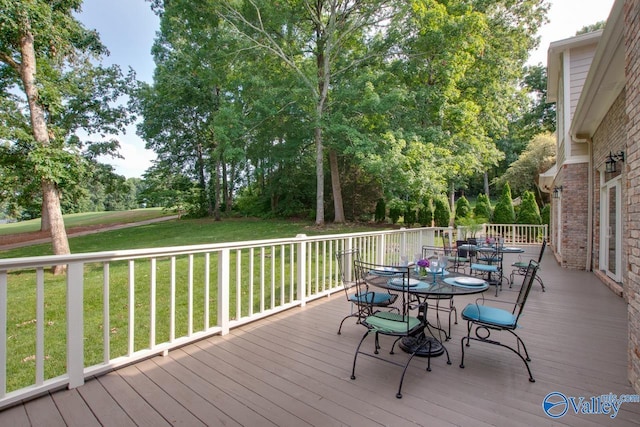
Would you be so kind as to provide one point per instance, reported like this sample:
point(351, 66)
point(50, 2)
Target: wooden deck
point(293, 370)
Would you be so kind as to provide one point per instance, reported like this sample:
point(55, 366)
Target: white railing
point(512, 234)
point(114, 308)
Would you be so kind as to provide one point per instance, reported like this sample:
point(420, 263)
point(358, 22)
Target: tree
point(325, 33)
point(463, 208)
point(46, 53)
point(441, 212)
point(381, 211)
point(504, 212)
point(538, 157)
point(482, 209)
point(529, 212)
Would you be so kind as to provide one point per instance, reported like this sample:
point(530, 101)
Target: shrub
point(381, 211)
point(483, 207)
point(396, 208)
point(441, 212)
point(504, 213)
point(425, 216)
point(463, 208)
point(545, 214)
point(409, 216)
point(529, 212)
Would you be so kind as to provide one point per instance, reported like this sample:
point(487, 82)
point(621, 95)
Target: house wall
point(574, 178)
point(569, 213)
point(632, 243)
point(581, 58)
point(611, 136)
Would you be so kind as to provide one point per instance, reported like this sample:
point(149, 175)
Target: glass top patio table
point(424, 287)
point(445, 285)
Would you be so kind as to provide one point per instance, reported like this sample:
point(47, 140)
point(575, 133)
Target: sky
point(128, 28)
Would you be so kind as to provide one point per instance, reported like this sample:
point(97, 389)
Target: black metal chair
point(521, 267)
point(440, 303)
point(362, 300)
point(458, 259)
point(486, 318)
point(398, 325)
point(489, 265)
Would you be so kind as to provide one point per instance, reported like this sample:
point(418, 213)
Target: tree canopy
point(51, 89)
point(400, 100)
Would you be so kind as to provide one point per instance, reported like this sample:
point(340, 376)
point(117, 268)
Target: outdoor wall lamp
point(557, 191)
point(610, 163)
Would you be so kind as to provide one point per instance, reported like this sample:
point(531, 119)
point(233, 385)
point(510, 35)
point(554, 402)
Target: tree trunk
point(452, 204)
point(230, 188)
point(335, 187)
point(486, 185)
point(51, 204)
point(51, 217)
point(204, 195)
point(319, 176)
point(216, 206)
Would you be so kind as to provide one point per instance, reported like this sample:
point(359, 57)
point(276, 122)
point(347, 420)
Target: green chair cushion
point(392, 323)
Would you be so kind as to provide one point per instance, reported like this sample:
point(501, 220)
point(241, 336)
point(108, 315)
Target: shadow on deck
point(293, 369)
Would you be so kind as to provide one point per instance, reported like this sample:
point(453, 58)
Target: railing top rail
point(90, 257)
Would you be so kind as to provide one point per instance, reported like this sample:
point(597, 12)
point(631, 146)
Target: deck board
point(292, 369)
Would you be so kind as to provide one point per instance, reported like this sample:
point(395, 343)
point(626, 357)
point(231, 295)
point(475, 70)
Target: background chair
point(489, 265)
point(486, 318)
point(398, 325)
point(361, 298)
point(521, 266)
point(458, 259)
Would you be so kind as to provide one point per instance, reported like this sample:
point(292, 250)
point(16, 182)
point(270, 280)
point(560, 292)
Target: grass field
point(88, 219)
point(187, 232)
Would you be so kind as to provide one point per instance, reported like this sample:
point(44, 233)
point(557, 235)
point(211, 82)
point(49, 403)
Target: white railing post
point(302, 269)
point(403, 242)
point(224, 270)
point(382, 249)
point(75, 324)
point(3, 333)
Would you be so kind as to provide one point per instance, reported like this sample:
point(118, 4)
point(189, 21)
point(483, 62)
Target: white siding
point(580, 63)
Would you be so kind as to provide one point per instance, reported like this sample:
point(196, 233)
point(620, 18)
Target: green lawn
point(88, 218)
point(187, 232)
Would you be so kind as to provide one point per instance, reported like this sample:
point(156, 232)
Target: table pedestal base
point(427, 346)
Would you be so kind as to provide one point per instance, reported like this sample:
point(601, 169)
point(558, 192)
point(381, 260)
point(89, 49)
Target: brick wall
point(632, 243)
point(574, 215)
point(611, 136)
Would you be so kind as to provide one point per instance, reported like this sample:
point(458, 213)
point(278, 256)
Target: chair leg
point(462, 345)
point(353, 370)
point(345, 318)
point(399, 393)
point(540, 281)
point(524, 357)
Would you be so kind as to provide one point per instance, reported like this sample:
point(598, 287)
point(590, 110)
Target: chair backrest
point(432, 251)
point(377, 276)
point(345, 260)
point(462, 252)
point(544, 245)
point(527, 283)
